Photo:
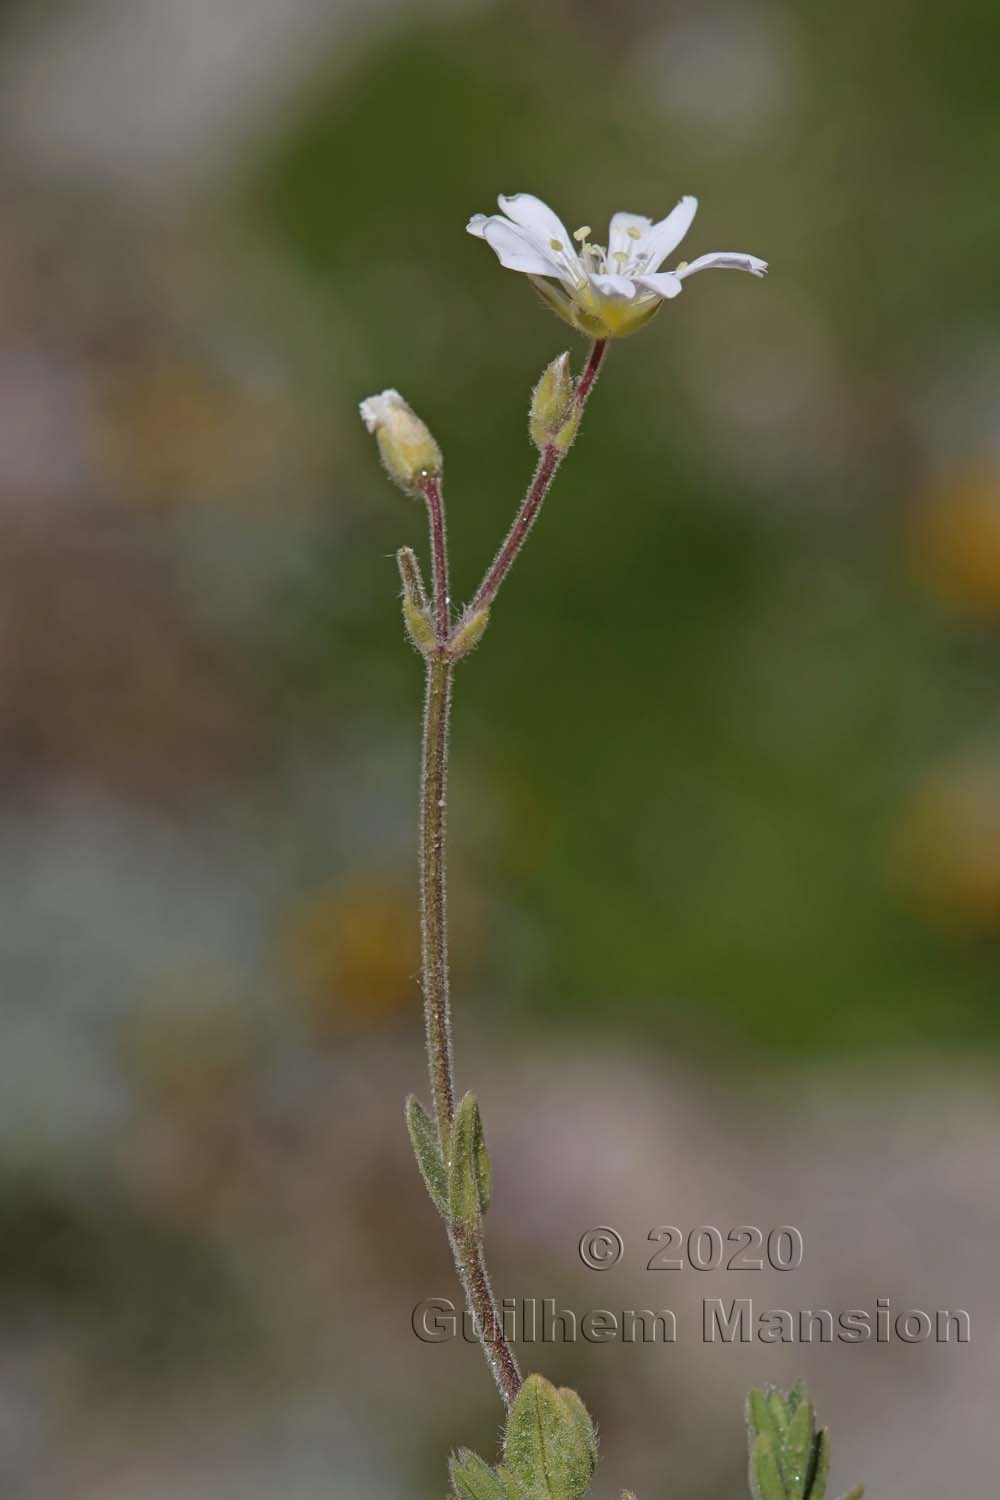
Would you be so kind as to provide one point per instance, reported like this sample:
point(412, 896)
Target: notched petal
point(725, 260)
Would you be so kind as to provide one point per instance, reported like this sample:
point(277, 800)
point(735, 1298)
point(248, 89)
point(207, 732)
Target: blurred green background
point(726, 817)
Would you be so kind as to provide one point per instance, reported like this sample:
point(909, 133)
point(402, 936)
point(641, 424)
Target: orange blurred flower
point(947, 852)
point(956, 540)
point(354, 951)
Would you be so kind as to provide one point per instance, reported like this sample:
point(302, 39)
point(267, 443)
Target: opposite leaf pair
point(549, 1450)
point(460, 1188)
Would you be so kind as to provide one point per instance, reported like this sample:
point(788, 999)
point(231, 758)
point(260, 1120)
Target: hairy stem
point(431, 487)
point(549, 460)
point(434, 892)
point(470, 1258)
point(466, 1239)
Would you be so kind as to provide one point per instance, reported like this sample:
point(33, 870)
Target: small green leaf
point(797, 1461)
point(760, 1418)
point(795, 1395)
point(473, 1479)
point(821, 1467)
point(548, 1448)
point(765, 1473)
point(470, 1178)
point(779, 1410)
point(855, 1494)
point(583, 1420)
point(428, 1153)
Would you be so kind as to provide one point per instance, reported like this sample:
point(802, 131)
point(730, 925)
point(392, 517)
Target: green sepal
point(565, 437)
point(470, 1177)
point(424, 1136)
point(549, 1445)
point(550, 401)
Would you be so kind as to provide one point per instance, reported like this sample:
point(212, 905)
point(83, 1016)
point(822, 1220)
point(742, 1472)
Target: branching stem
point(466, 1240)
point(548, 464)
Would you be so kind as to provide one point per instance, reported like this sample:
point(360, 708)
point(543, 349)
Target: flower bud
point(550, 401)
point(405, 443)
point(469, 633)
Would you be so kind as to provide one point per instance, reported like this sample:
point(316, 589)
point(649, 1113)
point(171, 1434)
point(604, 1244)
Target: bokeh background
point(726, 814)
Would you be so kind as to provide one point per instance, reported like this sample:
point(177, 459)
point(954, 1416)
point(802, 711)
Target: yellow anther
point(581, 233)
point(620, 255)
point(633, 233)
point(556, 244)
point(682, 265)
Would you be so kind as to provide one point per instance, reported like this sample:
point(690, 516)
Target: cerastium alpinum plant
point(549, 1443)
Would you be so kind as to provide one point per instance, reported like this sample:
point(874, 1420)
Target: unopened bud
point(469, 634)
point(405, 443)
point(550, 401)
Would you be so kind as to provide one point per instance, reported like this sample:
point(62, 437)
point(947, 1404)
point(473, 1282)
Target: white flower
point(604, 292)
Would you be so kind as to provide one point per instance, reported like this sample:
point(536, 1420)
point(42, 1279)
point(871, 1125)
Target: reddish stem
point(548, 463)
point(431, 487)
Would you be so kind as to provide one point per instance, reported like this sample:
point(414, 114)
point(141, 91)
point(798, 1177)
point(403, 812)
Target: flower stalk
point(549, 460)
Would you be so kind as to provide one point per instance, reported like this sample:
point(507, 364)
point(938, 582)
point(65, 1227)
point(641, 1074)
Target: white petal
point(664, 283)
point(665, 236)
point(375, 409)
point(615, 286)
point(725, 260)
point(476, 225)
point(537, 218)
point(548, 234)
point(516, 249)
point(619, 238)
